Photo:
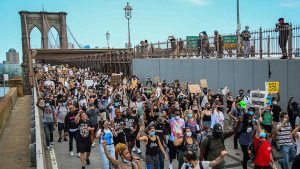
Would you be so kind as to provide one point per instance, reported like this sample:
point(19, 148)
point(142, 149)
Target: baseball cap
point(243, 104)
point(217, 128)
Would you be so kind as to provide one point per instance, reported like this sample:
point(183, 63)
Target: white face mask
point(274, 102)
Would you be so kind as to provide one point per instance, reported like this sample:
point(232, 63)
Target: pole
point(129, 43)
point(238, 27)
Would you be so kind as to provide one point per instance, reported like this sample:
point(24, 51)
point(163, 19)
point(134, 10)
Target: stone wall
point(6, 106)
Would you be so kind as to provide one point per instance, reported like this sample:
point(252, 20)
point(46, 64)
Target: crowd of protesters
point(174, 123)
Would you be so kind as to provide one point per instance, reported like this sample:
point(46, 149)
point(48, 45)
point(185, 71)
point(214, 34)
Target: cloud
point(290, 3)
point(198, 2)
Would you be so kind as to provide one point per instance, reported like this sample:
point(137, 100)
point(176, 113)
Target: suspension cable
point(73, 37)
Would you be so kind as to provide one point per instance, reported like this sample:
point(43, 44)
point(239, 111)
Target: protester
point(184, 144)
point(246, 35)
point(83, 137)
point(283, 28)
point(153, 144)
point(263, 157)
point(105, 133)
point(284, 138)
point(126, 161)
point(71, 129)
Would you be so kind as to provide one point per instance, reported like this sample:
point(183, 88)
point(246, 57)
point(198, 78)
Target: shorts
point(172, 150)
point(131, 137)
point(84, 147)
point(119, 139)
point(60, 126)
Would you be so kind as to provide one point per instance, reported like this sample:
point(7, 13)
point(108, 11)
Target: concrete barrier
point(6, 106)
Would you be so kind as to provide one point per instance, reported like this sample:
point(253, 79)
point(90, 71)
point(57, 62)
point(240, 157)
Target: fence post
point(268, 45)
point(290, 47)
point(260, 43)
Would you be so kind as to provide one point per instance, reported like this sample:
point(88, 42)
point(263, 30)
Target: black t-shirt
point(118, 123)
point(131, 122)
point(83, 132)
point(276, 111)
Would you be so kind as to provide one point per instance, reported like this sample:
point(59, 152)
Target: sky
point(153, 20)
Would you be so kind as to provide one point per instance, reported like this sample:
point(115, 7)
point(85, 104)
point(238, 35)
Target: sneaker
point(65, 139)
point(71, 153)
point(48, 147)
point(59, 140)
point(170, 166)
point(93, 145)
point(138, 151)
point(83, 167)
point(134, 149)
point(88, 161)
point(51, 143)
point(78, 155)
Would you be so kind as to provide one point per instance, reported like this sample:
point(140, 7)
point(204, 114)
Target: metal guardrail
point(263, 43)
point(36, 146)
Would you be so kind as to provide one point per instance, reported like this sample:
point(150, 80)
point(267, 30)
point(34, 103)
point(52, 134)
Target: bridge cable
point(73, 37)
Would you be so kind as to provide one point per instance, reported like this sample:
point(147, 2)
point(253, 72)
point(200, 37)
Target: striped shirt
point(284, 135)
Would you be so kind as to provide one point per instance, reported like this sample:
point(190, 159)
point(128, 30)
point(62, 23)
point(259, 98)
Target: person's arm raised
point(218, 160)
point(110, 158)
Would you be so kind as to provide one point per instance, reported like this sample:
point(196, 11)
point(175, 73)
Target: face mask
point(189, 165)
point(190, 115)
point(126, 161)
point(189, 134)
point(262, 135)
point(47, 104)
point(152, 133)
point(64, 104)
point(274, 102)
point(250, 113)
point(177, 117)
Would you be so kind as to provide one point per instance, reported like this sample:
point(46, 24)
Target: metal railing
point(263, 43)
point(36, 146)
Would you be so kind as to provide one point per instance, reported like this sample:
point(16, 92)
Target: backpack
point(254, 150)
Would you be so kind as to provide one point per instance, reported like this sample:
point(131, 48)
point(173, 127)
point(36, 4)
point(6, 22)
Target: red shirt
point(263, 152)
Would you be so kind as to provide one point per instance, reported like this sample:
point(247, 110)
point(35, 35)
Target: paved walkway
point(15, 139)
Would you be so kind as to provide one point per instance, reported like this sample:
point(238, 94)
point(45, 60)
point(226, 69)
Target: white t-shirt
point(205, 165)
point(298, 143)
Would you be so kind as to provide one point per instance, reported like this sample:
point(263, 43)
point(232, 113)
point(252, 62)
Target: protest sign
point(258, 98)
point(225, 90)
point(116, 78)
point(203, 83)
point(61, 80)
point(89, 83)
point(156, 79)
point(272, 87)
point(194, 89)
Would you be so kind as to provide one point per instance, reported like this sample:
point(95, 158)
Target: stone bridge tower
point(43, 21)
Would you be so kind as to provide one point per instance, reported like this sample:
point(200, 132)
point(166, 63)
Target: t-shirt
point(276, 111)
point(93, 114)
point(61, 113)
point(84, 133)
point(217, 118)
point(205, 165)
point(284, 135)
point(118, 123)
point(267, 118)
point(107, 135)
point(48, 114)
point(246, 134)
point(131, 122)
point(262, 153)
point(176, 128)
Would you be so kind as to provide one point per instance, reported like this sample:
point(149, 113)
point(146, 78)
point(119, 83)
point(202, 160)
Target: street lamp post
point(238, 30)
point(107, 38)
point(128, 10)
